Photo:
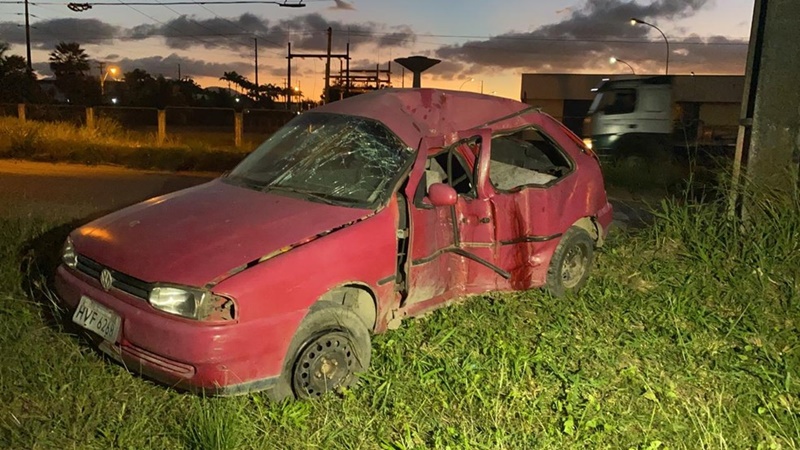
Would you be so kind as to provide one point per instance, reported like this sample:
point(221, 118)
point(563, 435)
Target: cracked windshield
point(331, 158)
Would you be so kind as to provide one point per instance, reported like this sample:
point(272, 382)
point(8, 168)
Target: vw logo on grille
point(106, 280)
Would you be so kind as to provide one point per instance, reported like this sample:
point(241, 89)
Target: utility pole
point(255, 43)
point(102, 66)
point(347, 72)
point(327, 55)
point(179, 71)
point(28, 37)
point(773, 148)
point(328, 67)
point(288, 74)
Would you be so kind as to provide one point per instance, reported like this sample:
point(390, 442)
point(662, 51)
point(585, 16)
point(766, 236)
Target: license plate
point(96, 317)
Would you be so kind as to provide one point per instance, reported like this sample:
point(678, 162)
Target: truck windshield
point(330, 158)
point(619, 101)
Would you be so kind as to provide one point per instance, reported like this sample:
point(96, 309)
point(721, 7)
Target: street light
point(468, 81)
point(614, 60)
point(113, 70)
point(296, 93)
point(635, 21)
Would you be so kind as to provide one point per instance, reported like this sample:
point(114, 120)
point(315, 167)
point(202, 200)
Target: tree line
point(74, 83)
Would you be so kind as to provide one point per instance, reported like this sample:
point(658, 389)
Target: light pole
point(635, 21)
point(614, 60)
point(468, 81)
point(113, 71)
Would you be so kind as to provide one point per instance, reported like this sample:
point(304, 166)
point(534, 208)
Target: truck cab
point(629, 112)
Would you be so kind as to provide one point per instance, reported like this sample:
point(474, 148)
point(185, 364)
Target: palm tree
point(235, 78)
point(69, 59)
point(70, 64)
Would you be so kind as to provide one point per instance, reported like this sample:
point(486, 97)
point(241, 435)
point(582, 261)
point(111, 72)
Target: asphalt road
point(65, 192)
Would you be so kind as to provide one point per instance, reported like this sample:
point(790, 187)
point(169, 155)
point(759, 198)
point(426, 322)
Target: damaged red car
point(351, 218)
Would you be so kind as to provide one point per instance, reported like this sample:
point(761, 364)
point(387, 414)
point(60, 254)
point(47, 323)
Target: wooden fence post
point(21, 111)
point(162, 126)
point(238, 119)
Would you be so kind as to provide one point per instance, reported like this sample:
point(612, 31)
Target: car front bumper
point(215, 359)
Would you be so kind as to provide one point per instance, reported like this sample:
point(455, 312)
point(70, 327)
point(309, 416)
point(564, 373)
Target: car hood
point(198, 235)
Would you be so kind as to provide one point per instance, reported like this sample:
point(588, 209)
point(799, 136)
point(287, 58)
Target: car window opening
point(527, 157)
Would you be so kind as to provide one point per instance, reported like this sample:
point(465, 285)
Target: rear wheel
point(571, 263)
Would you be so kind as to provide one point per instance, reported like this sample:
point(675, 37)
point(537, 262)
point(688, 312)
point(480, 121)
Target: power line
point(198, 23)
point(162, 23)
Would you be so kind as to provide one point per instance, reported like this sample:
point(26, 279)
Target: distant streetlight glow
point(113, 70)
point(614, 60)
point(468, 81)
point(635, 21)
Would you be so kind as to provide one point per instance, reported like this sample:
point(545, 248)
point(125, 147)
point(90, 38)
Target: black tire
point(571, 263)
point(331, 346)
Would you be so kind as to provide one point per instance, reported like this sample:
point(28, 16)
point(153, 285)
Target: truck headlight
point(193, 303)
point(68, 255)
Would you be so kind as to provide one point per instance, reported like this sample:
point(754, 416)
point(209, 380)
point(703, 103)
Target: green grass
point(686, 337)
point(108, 143)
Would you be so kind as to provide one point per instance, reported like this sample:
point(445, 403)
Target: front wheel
point(331, 346)
point(571, 262)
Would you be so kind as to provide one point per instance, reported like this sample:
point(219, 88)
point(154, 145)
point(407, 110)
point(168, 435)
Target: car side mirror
point(441, 194)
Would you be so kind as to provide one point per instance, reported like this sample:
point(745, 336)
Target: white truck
point(656, 115)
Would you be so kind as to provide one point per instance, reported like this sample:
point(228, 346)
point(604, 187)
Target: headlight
point(68, 255)
point(192, 303)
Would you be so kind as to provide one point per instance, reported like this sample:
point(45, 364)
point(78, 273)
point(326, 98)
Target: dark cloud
point(343, 5)
point(307, 32)
point(46, 34)
point(590, 34)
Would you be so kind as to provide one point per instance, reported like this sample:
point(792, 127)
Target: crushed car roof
point(417, 113)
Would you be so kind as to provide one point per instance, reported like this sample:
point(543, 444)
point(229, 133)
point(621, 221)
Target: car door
point(430, 231)
point(452, 248)
point(533, 184)
point(475, 216)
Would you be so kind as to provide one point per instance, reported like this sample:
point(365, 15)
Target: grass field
point(109, 143)
point(686, 337)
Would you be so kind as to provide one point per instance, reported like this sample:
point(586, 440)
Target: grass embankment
point(686, 337)
point(109, 143)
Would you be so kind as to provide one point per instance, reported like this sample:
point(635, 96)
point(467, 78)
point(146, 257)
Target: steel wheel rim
point(326, 363)
point(574, 266)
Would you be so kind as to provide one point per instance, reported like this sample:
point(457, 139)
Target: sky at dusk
point(487, 43)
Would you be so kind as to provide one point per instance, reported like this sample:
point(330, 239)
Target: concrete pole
point(775, 141)
point(162, 126)
point(238, 122)
point(28, 38)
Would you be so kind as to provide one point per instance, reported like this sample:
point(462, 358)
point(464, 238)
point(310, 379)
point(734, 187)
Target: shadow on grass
point(38, 260)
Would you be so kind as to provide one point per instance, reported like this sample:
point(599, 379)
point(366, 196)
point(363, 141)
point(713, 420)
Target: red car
point(350, 219)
